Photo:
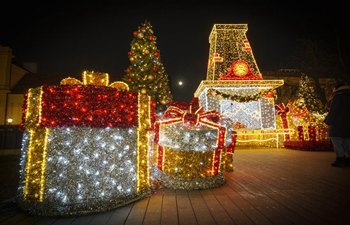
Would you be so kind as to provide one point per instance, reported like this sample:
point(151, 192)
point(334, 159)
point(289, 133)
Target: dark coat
point(338, 117)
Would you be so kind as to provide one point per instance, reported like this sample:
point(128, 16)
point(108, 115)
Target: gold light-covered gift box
point(193, 149)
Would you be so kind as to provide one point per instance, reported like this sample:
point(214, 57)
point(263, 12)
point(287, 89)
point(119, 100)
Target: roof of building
point(283, 72)
point(291, 73)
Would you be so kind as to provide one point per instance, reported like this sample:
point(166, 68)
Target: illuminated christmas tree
point(307, 92)
point(146, 72)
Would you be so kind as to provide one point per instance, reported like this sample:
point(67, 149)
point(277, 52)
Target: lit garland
point(247, 98)
point(257, 114)
point(93, 157)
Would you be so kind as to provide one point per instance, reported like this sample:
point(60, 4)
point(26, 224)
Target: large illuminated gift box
point(194, 148)
point(85, 147)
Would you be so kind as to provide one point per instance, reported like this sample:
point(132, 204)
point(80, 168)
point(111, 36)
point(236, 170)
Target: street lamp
point(9, 121)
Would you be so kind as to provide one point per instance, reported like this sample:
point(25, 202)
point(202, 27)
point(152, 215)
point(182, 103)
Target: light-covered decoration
point(235, 87)
point(307, 129)
point(193, 148)
point(229, 41)
point(85, 147)
point(282, 110)
point(307, 91)
point(304, 115)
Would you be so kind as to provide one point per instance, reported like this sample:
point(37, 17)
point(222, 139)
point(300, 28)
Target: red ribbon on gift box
point(82, 105)
point(281, 109)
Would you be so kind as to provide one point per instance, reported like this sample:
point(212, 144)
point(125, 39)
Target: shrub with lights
point(193, 147)
point(85, 146)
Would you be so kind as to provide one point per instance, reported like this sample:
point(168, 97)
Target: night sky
point(67, 38)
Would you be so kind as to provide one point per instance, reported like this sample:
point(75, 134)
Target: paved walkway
point(269, 187)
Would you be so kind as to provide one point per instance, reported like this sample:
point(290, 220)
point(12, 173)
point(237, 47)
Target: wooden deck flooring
point(267, 187)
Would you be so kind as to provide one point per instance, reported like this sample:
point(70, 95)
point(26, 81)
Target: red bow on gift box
point(281, 109)
point(191, 116)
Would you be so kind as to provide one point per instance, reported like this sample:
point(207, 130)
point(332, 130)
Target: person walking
point(338, 121)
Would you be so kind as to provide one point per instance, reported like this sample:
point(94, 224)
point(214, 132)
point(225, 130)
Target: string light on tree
point(307, 91)
point(146, 72)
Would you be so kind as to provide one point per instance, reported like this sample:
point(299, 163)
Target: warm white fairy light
point(267, 108)
point(178, 137)
point(90, 172)
point(23, 159)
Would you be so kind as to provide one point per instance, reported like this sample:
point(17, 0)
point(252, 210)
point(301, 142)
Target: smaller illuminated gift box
point(194, 148)
point(85, 147)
